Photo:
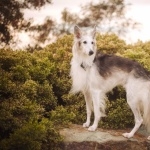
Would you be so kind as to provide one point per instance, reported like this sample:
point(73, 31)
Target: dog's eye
point(84, 42)
point(92, 42)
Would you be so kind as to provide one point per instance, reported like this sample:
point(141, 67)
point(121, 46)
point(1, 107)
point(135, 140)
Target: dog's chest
point(80, 76)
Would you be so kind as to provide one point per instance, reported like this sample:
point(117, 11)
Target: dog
point(94, 74)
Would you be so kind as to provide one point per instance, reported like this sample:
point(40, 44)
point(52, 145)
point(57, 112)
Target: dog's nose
point(91, 53)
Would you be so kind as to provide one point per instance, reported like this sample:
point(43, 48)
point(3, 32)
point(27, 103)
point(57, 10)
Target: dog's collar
point(83, 66)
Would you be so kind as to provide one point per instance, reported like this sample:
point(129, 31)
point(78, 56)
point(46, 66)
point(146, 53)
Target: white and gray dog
point(95, 74)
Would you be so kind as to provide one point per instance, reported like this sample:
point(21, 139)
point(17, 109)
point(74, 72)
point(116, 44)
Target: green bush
point(110, 43)
point(33, 136)
point(61, 116)
point(118, 115)
point(41, 93)
point(76, 104)
point(17, 112)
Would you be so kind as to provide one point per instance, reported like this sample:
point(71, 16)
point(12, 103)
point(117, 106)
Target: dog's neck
point(85, 63)
point(84, 66)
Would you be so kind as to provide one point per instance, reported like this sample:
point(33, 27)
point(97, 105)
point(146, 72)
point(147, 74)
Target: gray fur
point(106, 64)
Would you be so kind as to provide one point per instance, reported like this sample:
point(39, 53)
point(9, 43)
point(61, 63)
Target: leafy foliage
point(13, 20)
point(108, 15)
point(34, 93)
point(33, 135)
point(118, 114)
point(110, 43)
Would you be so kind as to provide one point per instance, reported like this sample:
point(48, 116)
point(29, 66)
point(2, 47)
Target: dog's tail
point(146, 113)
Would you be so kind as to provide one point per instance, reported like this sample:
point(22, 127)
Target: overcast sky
point(139, 11)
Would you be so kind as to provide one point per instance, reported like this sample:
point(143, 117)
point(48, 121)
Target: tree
point(108, 15)
point(12, 17)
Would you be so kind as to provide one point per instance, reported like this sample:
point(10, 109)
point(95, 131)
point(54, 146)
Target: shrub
point(17, 112)
point(61, 116)
point(41, 93)
point(33, 136)
point(110, 43)
point(76, 104)
point(119, 115)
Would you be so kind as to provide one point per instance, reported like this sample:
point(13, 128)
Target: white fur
point(94, 86)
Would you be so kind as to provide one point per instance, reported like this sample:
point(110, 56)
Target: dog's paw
point(148, 138)
point(86, 125)
point(92, 128)
point(127, 135)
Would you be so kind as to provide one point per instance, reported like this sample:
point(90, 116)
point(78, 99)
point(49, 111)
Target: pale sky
point(139, 11)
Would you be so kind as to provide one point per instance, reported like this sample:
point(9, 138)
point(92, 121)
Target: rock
point(78, 138)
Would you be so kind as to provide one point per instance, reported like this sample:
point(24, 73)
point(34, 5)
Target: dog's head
point(85, 41)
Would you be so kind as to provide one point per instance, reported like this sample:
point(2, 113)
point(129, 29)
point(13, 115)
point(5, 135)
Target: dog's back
point(106, 64)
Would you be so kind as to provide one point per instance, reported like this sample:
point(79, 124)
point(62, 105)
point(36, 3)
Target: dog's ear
point(77, 32)
point(94, 32)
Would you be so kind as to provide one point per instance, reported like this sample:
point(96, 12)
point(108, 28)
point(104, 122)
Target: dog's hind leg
point(98, 104)
point(132, 101)
point(89, 108)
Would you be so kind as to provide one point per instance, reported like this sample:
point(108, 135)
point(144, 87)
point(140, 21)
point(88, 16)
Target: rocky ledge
point(78, 138)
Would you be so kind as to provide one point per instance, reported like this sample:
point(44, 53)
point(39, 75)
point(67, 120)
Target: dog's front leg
point(89, 108)
point(97, 99)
